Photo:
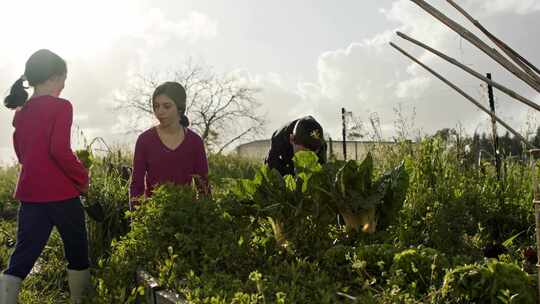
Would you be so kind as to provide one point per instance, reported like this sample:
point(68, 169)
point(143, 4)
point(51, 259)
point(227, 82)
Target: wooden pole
point(494, 129)
point(515, 56)
point(535, 154)
point(491, 52)
point(467, 96)
point(472, 72)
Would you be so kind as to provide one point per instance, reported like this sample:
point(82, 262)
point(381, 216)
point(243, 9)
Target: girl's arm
point(60, 148)
point(136, 188)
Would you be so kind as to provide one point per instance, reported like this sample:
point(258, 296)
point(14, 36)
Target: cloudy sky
point(306, 56)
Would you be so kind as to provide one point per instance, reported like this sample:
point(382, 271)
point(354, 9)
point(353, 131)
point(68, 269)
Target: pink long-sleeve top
point(50, 171)
point(154, 163)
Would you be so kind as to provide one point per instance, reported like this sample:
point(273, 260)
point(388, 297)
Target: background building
point(258, 150)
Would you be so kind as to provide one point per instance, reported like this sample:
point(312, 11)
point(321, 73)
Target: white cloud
point(157, 29)
point(370, 77)
point(522, 7)
point(365, 75)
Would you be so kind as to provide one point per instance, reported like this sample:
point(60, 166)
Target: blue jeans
point(35, 223)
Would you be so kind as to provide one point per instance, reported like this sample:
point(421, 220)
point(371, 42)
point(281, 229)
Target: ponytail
point(17, 95)
point(39, 68)
point(184, 121)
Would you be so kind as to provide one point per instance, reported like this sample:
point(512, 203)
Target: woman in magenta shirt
point(168, 152)
point(51, 177)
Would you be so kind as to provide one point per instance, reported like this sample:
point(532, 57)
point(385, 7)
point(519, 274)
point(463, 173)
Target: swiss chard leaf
point(393, 185)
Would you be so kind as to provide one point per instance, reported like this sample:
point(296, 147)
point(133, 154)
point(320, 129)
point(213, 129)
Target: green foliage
point(110, 189)
point(8, 182)
point(7, 241)
point(373, 261)
point(299, 223)
point(393, 184)
point(493, 282)
point(175, 221)
point(223, 250)
point(318, 193)
point(48, 275)
point(418, 269)
point(85, 156)
point(356, 191)
point(223, 168)
point(454, 207)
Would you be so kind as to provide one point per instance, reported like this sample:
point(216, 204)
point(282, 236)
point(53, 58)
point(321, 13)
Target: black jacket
point(281, 151)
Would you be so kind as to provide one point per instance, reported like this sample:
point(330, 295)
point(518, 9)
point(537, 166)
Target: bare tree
point(404, 124)
point(355, 128)
point(221, 109)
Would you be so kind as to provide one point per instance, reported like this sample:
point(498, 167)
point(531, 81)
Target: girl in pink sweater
point(51, 177)
point(168, 152)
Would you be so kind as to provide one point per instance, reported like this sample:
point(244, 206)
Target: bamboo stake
point(472, 72)
point(467, 96)
point(494, 131)
point(535, 154)
point(515, 56)
point(491, 52)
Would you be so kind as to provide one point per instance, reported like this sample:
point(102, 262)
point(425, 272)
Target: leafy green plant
point(109, 190)
point(85, 156)
point(418, 269)
point(7, 241)
point(373, 261)
point(222, 249)
point(8, 182)
point(493, 282)
point(393, 184)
